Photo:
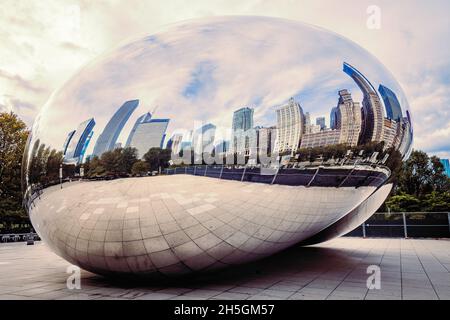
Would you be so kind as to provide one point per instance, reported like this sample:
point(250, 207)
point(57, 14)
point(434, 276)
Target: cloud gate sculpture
point(214, 142)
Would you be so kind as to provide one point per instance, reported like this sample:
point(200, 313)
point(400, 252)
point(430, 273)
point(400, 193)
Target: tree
point(403, 203)
point(439, 180)
point(140, 168)
point(421, 175)
point(13, 137)
point(422, 185)
point(437, 202)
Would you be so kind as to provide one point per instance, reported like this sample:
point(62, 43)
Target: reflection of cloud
point(201, 80)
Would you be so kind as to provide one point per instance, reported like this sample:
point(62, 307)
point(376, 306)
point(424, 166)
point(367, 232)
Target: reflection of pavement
point(410, 269)
point(179, 224)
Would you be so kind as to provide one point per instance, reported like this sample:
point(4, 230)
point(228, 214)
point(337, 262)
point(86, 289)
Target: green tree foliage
point(422, 185)
point(403, 203)
point(44, 165)
point(13, 137)
point(95, 168)
point(123, 162)
point(420, 175)
point(140, 168)
point(114, 163)
point(158, 158)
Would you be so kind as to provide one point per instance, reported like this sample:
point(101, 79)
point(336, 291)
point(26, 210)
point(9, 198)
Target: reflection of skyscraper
point(320, 139)
point(393, 108)
point(333, 114)
point(290, 125)
point(242, 123)
point(222, 147)
point(243, 119)
point(108, 138)
point(348, 119)
point(391, 132)
point(78, 142)
point(66, 143)
point(320, 121)
point(203, 138)
point(307, 119)
point(86, 144)
point(266, 140)
point(446, 165)
point(174, 142)
point(147, 133)
point(372, 110)
point(406, 136)
point(186, 143)
point(144, 118)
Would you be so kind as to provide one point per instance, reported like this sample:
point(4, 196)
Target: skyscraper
point(108, 138)
point(320, 121)
point(372, 110)
point(79, 141)
point(446, 164)
point(348, 119)
point(393, 108)
point(147, 133)
point(290, 126)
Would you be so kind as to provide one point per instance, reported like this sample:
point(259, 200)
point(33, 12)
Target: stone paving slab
point(411, 269)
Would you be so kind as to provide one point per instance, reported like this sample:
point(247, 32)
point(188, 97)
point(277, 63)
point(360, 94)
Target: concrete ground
point(409, 269)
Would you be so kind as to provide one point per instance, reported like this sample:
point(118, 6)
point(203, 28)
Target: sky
point(43, 44)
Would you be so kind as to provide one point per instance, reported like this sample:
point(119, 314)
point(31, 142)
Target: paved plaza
point(410, 269)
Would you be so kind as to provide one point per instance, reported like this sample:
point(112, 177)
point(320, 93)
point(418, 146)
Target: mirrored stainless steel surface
point(213, 143)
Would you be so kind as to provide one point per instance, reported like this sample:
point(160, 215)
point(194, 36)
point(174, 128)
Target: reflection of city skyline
point(351, 123)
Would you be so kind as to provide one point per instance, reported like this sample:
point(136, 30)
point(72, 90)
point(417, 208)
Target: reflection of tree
point(122, 162)
point(140, 168)
point(339, 151)
point(44, 165)
point(158, 158)
point(115, 163)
